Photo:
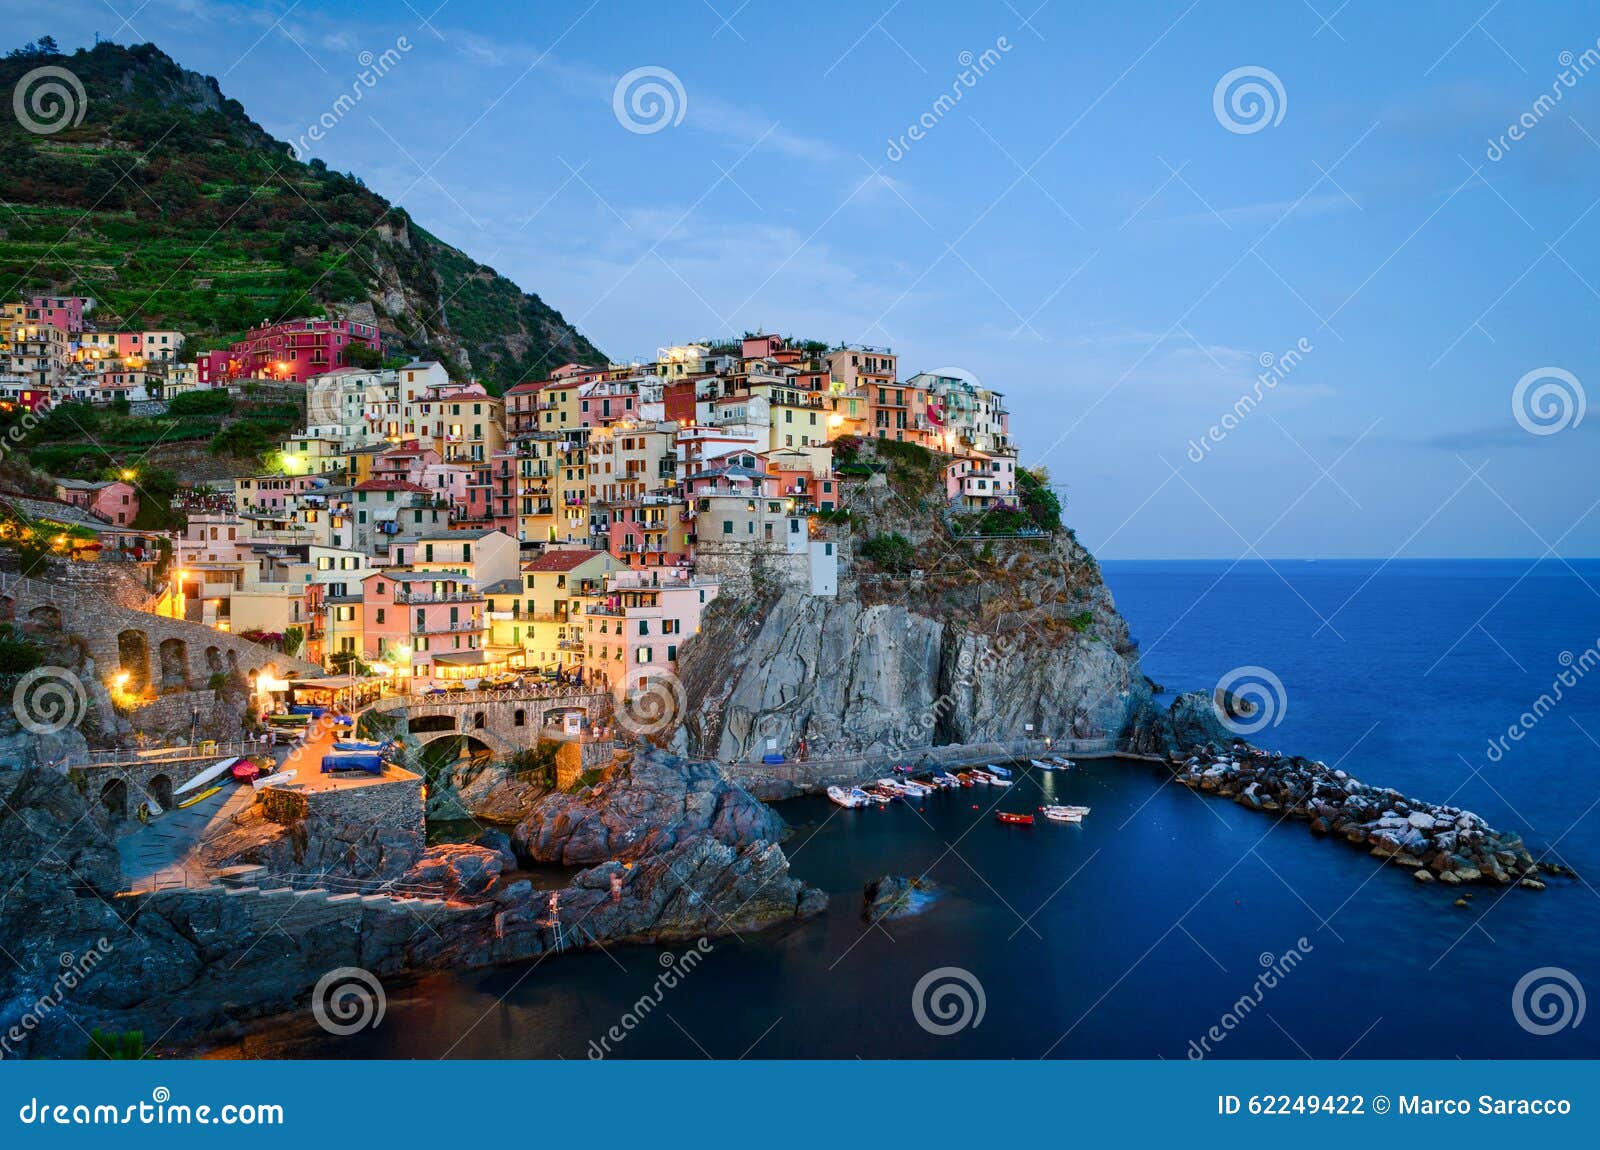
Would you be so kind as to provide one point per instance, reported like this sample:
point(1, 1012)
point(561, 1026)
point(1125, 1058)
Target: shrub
point(891, 552)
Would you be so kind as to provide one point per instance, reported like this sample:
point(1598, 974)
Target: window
point(727, 527)
point(380, 615)
point(644, 626)
point(672, 653)
point(642, 655)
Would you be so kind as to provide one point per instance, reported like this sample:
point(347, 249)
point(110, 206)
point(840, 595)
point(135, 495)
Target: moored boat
point(1062, 761)
point(1063, 813)
point(848, 797)
point(1015, 819)
point(946, 780)
point(998, 772)
point(878, 794)
point(1045, 764)
point(966, 779)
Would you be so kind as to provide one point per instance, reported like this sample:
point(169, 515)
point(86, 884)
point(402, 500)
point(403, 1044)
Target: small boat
point(272, 780)
point(878, 794)
point(1064, 814)
point(920, 789)
point(849, 797)
point(1016, 819)
point(201, 797)
point(371, 746)
point(1064, 762)
point(965, 779)
point(946, 779)
point(998, 781)
point(1045, 764)
point(244, 770)
point(998, 772)
point(214, 771)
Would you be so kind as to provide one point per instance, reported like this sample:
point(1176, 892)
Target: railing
point(132, 756)
point(451, 627)
point(445, 597)
point(465, 698)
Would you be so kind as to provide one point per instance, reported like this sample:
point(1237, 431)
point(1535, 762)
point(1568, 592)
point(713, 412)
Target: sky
point(1096, 227)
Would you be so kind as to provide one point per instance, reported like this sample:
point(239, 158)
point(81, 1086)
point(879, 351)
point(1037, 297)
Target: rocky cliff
point(972, 640)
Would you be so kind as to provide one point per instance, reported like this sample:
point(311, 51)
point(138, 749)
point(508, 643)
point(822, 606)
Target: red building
point(293, 350)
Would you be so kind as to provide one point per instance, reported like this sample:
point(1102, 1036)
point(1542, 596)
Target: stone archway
point(161, 791)
point(133, 658)
point(114, 797)
point(214, 661)
point(45, 616)
point(432, 724)
point(174, 655)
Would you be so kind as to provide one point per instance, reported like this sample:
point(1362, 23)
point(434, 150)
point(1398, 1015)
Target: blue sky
point(1080, 230)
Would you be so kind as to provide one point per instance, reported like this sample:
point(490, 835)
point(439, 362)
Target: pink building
point(64, 312)
point(427, 625)
point(112, 500)
point(293, 350)
point(634, 630)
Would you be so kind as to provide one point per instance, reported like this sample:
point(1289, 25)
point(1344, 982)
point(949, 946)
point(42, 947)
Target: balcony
point(420, 597)
point(456, 626)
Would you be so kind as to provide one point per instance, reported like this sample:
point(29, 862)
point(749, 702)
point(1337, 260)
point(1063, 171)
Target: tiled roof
point(560, 560)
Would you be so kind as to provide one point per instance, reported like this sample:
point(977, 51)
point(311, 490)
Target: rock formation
point(186, 963)
point(645, 803)
point(973, 655)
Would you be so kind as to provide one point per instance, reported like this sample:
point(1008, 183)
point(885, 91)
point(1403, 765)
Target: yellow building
point(551, 619)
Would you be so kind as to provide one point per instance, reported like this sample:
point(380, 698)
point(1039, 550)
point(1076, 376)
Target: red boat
point(1008, 817)
point(244, 770)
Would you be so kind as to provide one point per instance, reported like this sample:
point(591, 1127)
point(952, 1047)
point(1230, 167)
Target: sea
point(1168, 924)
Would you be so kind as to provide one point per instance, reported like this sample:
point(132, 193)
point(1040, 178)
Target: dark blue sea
point(1150, 929)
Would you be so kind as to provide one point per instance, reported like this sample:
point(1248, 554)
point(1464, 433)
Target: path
point(161, 853)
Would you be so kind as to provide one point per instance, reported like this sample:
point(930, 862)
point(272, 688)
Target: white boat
point(997, 781)
point(918, 787)
point(848, 797)
point(1045, 765)
point(1063, 761)
point(1063, 813)
point(946, 780)
point(981, 777)
point(215, 771)
point(273, 780)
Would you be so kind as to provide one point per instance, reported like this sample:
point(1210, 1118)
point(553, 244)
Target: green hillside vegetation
point(174, 209)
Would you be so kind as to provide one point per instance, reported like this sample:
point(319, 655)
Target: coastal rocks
point(645, 803)
point(189, 962)
point(457, 869)
point(894, 896)
point(1442, 843)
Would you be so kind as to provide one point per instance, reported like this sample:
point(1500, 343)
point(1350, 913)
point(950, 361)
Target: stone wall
point(95, 602)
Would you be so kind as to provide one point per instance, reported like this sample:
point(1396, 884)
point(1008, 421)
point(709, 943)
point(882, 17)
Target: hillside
point(174, 209)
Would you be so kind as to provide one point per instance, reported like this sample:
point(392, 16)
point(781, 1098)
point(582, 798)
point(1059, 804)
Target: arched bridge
point(501, 722)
